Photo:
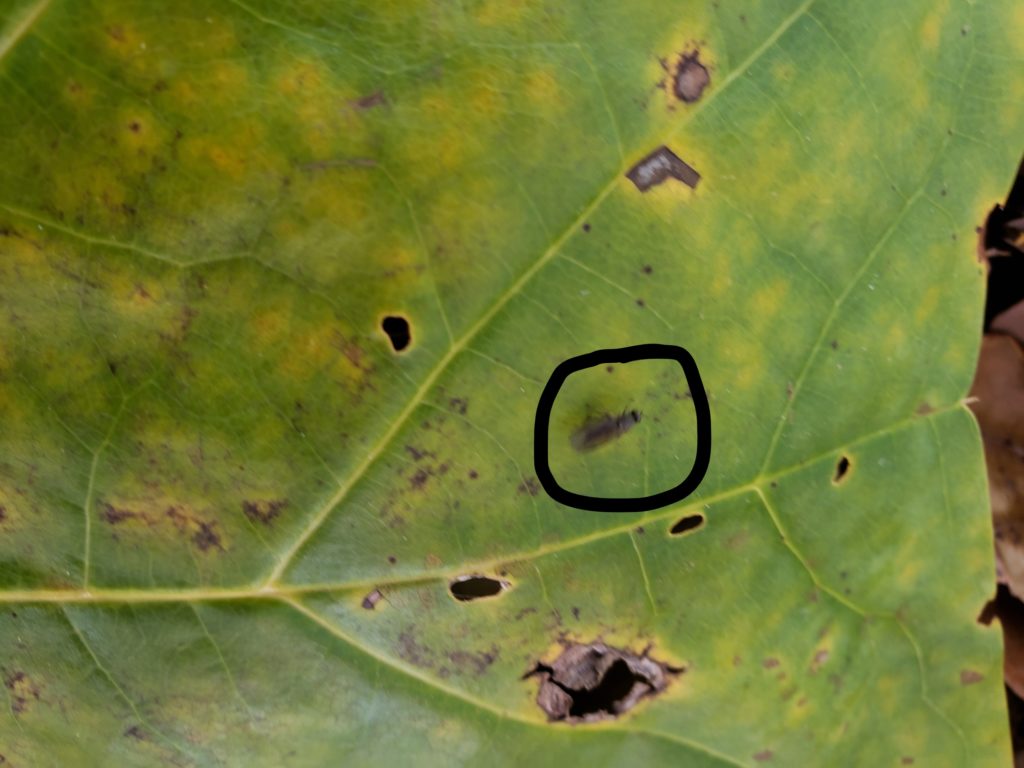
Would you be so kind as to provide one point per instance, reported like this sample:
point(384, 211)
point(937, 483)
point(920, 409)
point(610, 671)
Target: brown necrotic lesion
point(603, 429)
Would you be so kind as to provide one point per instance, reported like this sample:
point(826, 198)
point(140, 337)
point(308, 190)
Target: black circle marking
point(542, 423)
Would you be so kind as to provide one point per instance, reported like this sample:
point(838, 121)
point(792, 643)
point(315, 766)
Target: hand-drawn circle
point(542, 422)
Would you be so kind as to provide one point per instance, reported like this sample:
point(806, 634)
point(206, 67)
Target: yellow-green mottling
point(209, 454)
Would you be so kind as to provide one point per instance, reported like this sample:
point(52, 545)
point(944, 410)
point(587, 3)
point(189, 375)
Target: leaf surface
point(230, 513)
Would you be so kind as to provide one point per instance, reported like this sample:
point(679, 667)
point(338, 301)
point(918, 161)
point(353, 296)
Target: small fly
point(603, 430)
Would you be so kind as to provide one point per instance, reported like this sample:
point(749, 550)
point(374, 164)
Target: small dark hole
point(616, 684)
point(688, 523)
point(841, 469)
point(397, 329)
point(467, 588)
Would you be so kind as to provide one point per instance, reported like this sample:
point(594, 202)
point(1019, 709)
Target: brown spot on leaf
point(112, 515)
point(375, 99)
point(924, 409)
point(764, 755)
point(660, 165)
point(473, 474)
point(647, 269)
point(459, 405)
point(22, 690)
point(970, 676)
point(410, 650)
point(415, 453)
point(265, 511)
point(770, 663)
point(592, 682)
point(206, 537)
point(477, 661)
point(135, 732)
point(906, 760)
point(529, 486)
point(419, 479)
point(203, 533)
point(371, 600)
point(691, 78)
point(524, 612)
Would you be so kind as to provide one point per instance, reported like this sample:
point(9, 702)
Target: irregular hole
point(688, 523)
point(398, 331)
point(841, 469)
point(466, 588)
point(592, 682)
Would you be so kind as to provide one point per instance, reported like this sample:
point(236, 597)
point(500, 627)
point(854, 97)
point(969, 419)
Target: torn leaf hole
point(467, 588)
point(842, 468)
point(593, 682)
point(398, 331)
point(687, 524)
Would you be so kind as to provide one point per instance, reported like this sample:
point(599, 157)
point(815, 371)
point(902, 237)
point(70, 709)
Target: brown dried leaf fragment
point(659, 165)
point(998, 404)
point(371, 600)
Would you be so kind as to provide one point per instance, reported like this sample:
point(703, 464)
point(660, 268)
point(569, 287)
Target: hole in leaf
point(688, 523)
point(398, 331)
point(841, 469)
point(466, 588)
point(593, 682)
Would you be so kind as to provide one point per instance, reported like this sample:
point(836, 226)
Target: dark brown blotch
point(691, 78)
point(264, 511)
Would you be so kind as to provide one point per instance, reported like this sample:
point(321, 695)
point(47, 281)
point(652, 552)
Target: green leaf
point(230, 514)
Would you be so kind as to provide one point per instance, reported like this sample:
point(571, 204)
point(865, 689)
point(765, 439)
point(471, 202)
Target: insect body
point(603, 429)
